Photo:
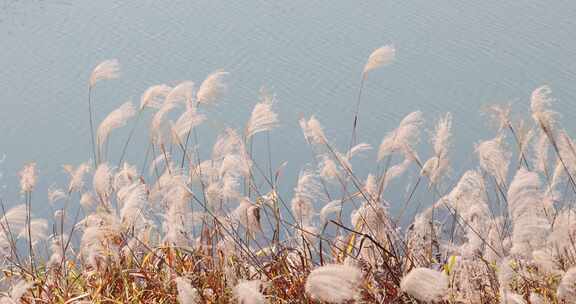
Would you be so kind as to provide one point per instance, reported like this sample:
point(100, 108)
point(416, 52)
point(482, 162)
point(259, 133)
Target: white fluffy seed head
point(116, 119)
point(18, 290)
point(312, 130)
point(186, 293)
point(107, 69)
point(102, 181)
point(38, 231)
point(334, 283)
point(248, 292)
point(28, 177)
point(87, 200)
point(500, 115)
point(540, 101)
point(442, 134)
point(425, 284)
point(567, 288)
point(494, 157)
point(183, 93)
point(402, 138)
point(263, 118)
point(508, 297)
point(13, 221)
point(379, 57)
point(154, 96)
point(306, 192)
point(55, 194)
point(185, 123)
point(77, 176)
point(332, 207)
point(525, 206)
point(248, 215)
point(212, 88)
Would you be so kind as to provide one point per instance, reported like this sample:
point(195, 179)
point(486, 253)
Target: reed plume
point(248, 292)
point(378, 58)
point(211, 88)
point(107, 69)
point(116, 119)
point(334, 283)
point(425, 284)
point(263, 118)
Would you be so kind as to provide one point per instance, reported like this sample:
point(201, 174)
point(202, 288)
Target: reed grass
point(217, 230)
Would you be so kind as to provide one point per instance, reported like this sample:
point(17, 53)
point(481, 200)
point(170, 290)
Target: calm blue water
point(451, 56)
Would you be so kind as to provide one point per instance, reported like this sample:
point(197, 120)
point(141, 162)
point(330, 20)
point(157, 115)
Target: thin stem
point(356, 113)
point(91, 125)
point(129, 138)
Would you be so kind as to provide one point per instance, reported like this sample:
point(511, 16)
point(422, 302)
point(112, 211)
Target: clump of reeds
point(189, 229)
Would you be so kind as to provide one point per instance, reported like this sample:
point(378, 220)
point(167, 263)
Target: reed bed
point(183, 229)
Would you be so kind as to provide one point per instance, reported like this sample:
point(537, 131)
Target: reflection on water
point(452, 56)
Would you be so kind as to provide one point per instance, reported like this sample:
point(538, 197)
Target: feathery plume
point(76, 176)
point(55, 195)
point(229, 142)
point(334, 283)
point(87, 200)
point(57, 248)
point(211, 88)
point(186, 293)
point(99, 240)
point(435, 167)
point(248, 292)
point(262, 118)
point(442, 134)
point(178, 219)
point(530, 226)
point(494, 158)
point(567, 288)
point(125, 176)
point(186, 122)
point(328, 168)
point(107, 69)
point(180, 94)
point(312, 130)
point(154, 96)
point(379, 57)
point(373, 219)
point(183, 93)
point(133, 199)
point(540, 101)
point(425, 284)
point(116, 119)
point(307, 190)
point(371, 186)
point(102, 181)
point(500, 115)
point(406, 135)
point(536, 299)
point(28, 177)
point(511, 298)
point(17, 292)
point(541, 148)
point(395, 171)
point(332, 207)
point(235, 165)
point(12, 222)
point(248, 215)
point(38, 231)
